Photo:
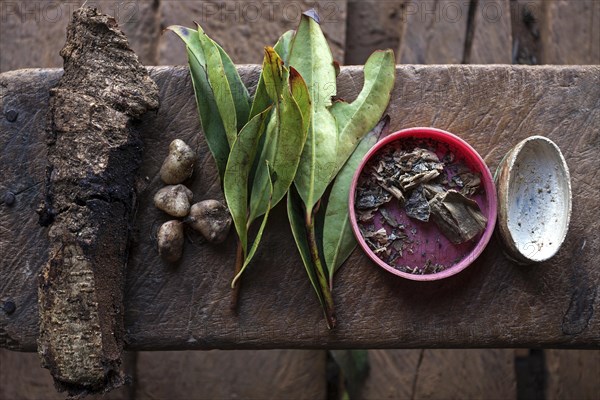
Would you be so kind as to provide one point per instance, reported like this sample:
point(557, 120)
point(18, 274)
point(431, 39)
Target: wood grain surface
point(440, 374)
point(244, 374)
point(493, 303)
point(492, 33)
point(434, 32)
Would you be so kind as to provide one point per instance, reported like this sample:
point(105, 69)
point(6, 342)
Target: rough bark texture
point(493, 303)
point(93, 155)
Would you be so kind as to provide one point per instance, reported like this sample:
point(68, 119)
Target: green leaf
point(237, 173)
point(286, 134)
point(354, 365)
point(311, 57)
point(297, 223)
point(284, 45)
point(257, 238)
point(338, 239)
point(261, 98)
point(241, 97)
point(220, 85)
point(354, 120)
point(213, 128)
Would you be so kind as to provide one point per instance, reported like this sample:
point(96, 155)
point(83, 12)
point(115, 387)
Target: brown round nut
point(212, 219)
point(179, 164)
point(170, 241)
point(175, 200)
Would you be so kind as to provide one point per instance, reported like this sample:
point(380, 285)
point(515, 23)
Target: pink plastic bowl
point(429, 241)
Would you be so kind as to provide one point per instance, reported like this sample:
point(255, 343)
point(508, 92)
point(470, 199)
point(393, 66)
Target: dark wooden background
point(426, 32)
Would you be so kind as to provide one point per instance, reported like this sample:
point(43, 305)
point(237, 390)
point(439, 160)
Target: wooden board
point(244, 374)
point(440, 374)
point(435, 32)
point(493, 303)
point(244, 27)
point(373, 25)
point(33, 32)
point(527, 17)
point(571, 32)
point(572, 374)
point(492, 33)
point(22, 378)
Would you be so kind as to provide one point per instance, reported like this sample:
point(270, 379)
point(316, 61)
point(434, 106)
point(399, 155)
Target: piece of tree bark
point(93, 155)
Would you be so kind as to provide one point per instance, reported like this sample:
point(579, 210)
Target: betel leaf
point(311, 57)
point(285, 137)
point(241, 97)
point(284, 45)
point(237, 172)
point(261, 98)
point(297, 223)
point(338, 239)
point(355, 119)
point(212, 125)
point(220, 85)
point(258, 235)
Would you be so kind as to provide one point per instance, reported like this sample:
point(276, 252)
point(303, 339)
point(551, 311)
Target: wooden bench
point(493, 303)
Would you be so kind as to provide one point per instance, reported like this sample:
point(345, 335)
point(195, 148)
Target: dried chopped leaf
point(408, 181)
point(366, 215)
point(371, 197)
point(389, 218)
point(393, 190)
point(431, 189)
point(468, 181)
point(459, 218)
point(417, 206)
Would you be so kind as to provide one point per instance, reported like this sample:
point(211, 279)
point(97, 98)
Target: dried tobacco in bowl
point(420, 205)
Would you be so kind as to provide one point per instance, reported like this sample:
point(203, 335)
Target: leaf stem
point(314, 252)
point(239, 261)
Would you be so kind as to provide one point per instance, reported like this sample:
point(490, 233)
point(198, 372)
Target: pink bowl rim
point(488, 184)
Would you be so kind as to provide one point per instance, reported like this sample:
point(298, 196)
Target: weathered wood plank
point(571, 32)
point(22, 378)
point(373, 25)
point(492, 33)
point(440, 374)
point(493, 303)
point(572, 374)
point(33, 32)
point(244, 27)
point(435, 32)
point(527, 17)
point(244, 374)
